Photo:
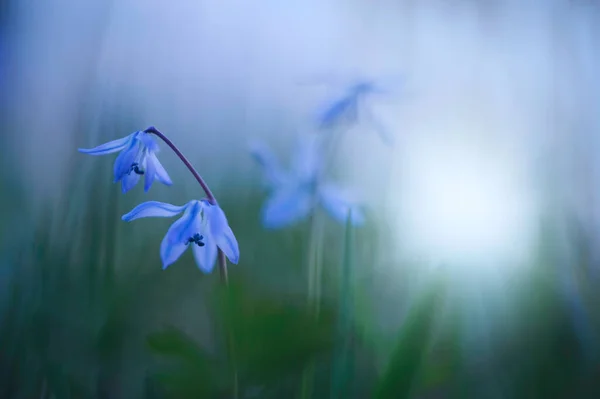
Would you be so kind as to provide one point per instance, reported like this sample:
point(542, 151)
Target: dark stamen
point(135, 168)
point(196, 239)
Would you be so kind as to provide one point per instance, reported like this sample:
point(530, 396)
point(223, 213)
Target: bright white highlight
point(462, 204)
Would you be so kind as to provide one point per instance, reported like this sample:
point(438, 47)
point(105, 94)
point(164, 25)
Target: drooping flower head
point(353, 108)
point(203, 226)
point(294, 194)
point(137, 157)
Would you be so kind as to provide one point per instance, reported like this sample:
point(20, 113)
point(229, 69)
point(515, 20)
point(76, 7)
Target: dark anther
point(196, 239)
point(135, 168)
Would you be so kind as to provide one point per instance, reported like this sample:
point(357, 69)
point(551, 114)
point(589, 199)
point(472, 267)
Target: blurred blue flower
point(294, 194)
point(203, 226)
point(137, 157)
point(352, 108)
point(273, 173)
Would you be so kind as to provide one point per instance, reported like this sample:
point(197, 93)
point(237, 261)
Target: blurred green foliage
point(412, 346)
point(88, 312)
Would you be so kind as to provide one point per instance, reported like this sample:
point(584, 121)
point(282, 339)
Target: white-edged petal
point(148, 141)
point(221, 233)
point(110, 147)
point(287, 205)
point(150, 172)
point(205, 256)
point(338, 203)
point(160, 172)
point(170, 251)
point(129, 181)
point(153, 209)
point(174, 242)
point(125, 159)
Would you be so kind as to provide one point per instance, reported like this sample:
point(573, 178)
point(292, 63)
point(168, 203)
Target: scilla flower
point(137, 158)
point(295, 194)
point(352, 109)
point(203, 227)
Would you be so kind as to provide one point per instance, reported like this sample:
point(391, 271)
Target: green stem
point(343, 361)
point(314, 292)
point(331, 143)
point(222, 260)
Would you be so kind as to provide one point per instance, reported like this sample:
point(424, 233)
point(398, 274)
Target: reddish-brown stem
point(209, 195)
point(222, 260)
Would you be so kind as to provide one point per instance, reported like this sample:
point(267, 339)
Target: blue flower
point(203, 226)
point(137, 157)
point(352, 108)
point(273, 173)
point(295, 194)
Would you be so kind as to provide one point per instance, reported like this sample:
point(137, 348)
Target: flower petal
point(285, 206)
point(338, 203)
point(340, 113)
point(129, 181)
point(160, 172)
point(175, 241)
point(170, 251)
point(205, 256)
point(150, 173)
point(110, 147)
point(148, 141)
point(308, 158)
point(221, 233)
point(125, 159)
point(153, 209)
point(274, 174)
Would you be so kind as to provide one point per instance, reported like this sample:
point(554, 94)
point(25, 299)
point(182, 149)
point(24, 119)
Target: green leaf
point(343, 363)
point(444, 361)
point(176, 344)
point(184, 382)
point(195, 373)
point(274, 336)
point(412, 346)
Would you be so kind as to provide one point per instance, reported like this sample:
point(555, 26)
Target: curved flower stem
point(209, 195)
point(221, 259)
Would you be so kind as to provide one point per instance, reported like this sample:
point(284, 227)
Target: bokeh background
point(474, 277)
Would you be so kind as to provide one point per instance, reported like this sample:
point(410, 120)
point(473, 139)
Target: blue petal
point(338, 203)
point(110, 147)
point(171, 251)
point(129, 181)
point(285, 206)
point(153, 209)
point(148, 141)
point(340, 113)
point(205, 256)
point(150, 173)
point(273, 172)
point(221, 233)
point(125, 159)
point(160, 172)
point(308, 158)
point(174, 242)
